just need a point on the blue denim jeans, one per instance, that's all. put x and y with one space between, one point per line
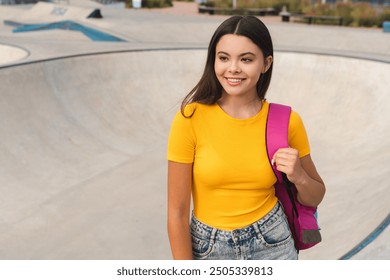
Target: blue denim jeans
267 239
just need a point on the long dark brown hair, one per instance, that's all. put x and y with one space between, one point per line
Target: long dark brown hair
209 90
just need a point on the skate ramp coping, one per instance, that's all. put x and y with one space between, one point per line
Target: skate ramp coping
84 142
43 12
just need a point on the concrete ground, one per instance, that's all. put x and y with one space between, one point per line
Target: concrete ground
84 127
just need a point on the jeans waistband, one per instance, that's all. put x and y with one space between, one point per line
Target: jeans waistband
240 234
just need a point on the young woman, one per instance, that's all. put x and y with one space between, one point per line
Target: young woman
217 155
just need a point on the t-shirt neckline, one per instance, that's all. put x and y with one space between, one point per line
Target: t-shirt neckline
256 116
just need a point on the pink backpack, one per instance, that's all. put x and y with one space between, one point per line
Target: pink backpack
302 219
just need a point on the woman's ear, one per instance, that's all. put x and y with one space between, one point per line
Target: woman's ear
267 63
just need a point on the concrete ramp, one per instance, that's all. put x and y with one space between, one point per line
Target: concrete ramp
43 12
83 143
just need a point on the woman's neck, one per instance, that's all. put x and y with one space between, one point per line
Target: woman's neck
240 107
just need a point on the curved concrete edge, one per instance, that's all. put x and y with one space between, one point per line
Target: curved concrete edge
360 250
168 47
11 55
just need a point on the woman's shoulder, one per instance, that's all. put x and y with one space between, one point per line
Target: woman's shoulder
190 117
295 117
195 108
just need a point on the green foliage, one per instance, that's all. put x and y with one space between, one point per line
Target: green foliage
318 9
364 15
344 10
255 3
277 5
384 16
219 3
296 6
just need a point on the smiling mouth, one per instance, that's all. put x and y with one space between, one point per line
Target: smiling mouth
234 81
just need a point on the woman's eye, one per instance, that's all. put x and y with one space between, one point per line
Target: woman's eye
223 58
247 60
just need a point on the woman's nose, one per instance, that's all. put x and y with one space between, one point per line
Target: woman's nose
234 67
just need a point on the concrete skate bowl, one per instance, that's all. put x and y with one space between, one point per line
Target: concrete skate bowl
83 168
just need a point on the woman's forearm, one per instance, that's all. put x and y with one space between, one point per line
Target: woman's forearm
179 200
310 191
180 238
311 188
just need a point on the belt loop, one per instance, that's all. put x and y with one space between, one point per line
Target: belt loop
257 230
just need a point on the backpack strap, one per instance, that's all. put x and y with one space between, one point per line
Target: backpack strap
277 137
277 131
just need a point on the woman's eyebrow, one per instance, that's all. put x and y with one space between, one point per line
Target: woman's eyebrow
243 54
222 52
247 53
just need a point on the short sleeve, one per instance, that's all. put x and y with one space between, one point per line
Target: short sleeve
297 136
181 141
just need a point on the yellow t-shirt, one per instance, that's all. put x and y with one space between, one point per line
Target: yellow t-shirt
232 177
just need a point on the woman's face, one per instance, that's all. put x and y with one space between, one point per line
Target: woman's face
238 65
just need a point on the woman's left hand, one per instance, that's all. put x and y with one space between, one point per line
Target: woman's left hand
287 161
302 173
